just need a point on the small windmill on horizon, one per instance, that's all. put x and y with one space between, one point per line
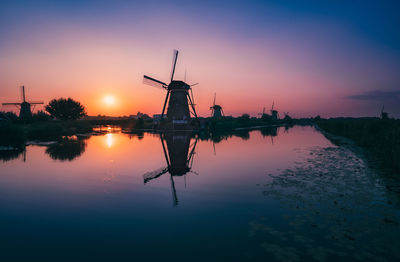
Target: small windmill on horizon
25 111
384 115
274 113
263 113
216 110
180 102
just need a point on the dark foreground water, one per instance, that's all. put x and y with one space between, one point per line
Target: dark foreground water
266 195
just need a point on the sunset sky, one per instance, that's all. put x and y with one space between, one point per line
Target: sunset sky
311 57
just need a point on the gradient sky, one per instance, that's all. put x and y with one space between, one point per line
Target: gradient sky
332 58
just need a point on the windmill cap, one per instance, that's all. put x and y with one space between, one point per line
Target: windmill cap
178 85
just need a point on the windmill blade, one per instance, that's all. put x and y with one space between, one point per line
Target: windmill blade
174 59
191 93
194 84
154 174
36 103
147 80
215 97
23 93
11 104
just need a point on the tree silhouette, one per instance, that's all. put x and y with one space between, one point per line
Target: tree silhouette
65 109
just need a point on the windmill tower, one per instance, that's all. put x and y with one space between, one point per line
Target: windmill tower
24 106
180 103
179 154
216 110
274 113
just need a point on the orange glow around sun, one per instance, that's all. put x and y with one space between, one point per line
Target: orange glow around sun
109 100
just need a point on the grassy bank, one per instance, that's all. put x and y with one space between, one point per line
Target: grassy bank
380 137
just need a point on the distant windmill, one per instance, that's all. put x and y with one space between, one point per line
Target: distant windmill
274 113
263 112
180 102
384 115
216 110
25 107
287 117
179 154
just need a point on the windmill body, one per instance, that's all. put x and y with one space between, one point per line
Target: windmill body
179 98
274 113
216 110
178 105
25 111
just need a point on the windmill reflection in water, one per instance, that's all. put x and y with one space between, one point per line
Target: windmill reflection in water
179 151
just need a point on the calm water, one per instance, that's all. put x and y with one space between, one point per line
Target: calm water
271 195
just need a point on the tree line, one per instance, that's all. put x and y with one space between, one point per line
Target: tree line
60 109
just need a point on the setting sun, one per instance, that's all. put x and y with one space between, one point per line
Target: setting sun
109 100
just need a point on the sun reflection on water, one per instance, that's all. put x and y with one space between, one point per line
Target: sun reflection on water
109 140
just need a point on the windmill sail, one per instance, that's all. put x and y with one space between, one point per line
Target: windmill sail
23 93
215 97
154 82
174 59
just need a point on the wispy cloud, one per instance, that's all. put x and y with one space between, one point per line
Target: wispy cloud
377 95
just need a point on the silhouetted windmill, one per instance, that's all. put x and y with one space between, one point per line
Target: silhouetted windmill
384 115
274 113
287 118
216 110
179 154
179 100
263 112
25 107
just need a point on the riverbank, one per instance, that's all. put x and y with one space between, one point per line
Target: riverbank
379 137
17 134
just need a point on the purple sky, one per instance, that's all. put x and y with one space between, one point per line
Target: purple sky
337 59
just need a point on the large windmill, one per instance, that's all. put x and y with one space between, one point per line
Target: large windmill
179 154
216 110
180 102
24 106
